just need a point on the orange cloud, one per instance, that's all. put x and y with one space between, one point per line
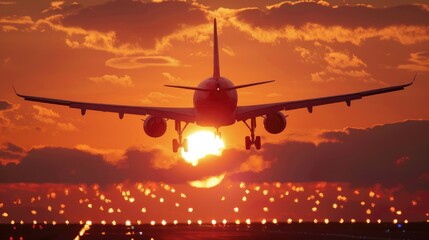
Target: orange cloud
17 20
318 21
124 81
419 61
48 116
158 97
135 62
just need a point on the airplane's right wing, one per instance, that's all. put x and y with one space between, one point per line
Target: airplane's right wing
181 114
245 112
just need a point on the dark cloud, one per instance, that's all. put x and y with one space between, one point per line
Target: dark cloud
60 165
392 155
346 16
5 105
136 21
10 151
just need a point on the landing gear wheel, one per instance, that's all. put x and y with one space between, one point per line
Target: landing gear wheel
176 145
185 145
248 142
257 142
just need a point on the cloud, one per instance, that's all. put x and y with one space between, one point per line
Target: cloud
111 155
9 28
124 81
10 151
83 165
137 21
310 21
135 62
19 20
390 155
301 13
419 62
158 97
5 105
340 65
362 157
172 79
45 115
60 165
48 116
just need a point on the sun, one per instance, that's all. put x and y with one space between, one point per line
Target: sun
201 144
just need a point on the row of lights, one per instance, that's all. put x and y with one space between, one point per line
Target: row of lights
213 222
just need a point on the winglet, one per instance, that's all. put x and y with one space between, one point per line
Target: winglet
216 68
17 94
414 79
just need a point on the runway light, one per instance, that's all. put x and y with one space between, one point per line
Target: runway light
175 222
163 222
263 221
248 222
152 223
190 209
189 222
289 220
224 222
236 209
275 221
326 221
127 223
200 222
213 222
237 222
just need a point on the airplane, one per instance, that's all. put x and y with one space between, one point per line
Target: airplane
215 105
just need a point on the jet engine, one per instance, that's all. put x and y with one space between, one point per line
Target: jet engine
275 122
155 126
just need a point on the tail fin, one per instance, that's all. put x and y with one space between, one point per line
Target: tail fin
216 68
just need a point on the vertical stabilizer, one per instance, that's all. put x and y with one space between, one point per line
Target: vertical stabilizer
216 70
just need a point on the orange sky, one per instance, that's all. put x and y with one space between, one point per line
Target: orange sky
123 52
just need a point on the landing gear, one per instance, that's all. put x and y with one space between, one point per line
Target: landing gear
178 143
252 139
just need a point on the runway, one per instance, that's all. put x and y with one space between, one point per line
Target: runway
225 232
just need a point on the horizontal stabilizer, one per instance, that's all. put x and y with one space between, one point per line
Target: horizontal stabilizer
249 85
188 88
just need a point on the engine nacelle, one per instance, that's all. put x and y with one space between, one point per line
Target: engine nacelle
275 123
155 126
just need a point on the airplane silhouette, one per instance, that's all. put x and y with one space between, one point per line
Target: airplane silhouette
215 105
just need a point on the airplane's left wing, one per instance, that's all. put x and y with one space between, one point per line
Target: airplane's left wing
245 112
181 114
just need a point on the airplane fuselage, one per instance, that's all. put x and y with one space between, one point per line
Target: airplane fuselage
216 106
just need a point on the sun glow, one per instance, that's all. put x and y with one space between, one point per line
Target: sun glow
201 144
207 182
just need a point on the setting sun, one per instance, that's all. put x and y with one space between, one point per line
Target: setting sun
201 144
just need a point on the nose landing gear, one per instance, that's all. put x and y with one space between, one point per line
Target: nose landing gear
180 143
252 139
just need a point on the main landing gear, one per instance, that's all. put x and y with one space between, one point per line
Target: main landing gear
178 143
252 140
